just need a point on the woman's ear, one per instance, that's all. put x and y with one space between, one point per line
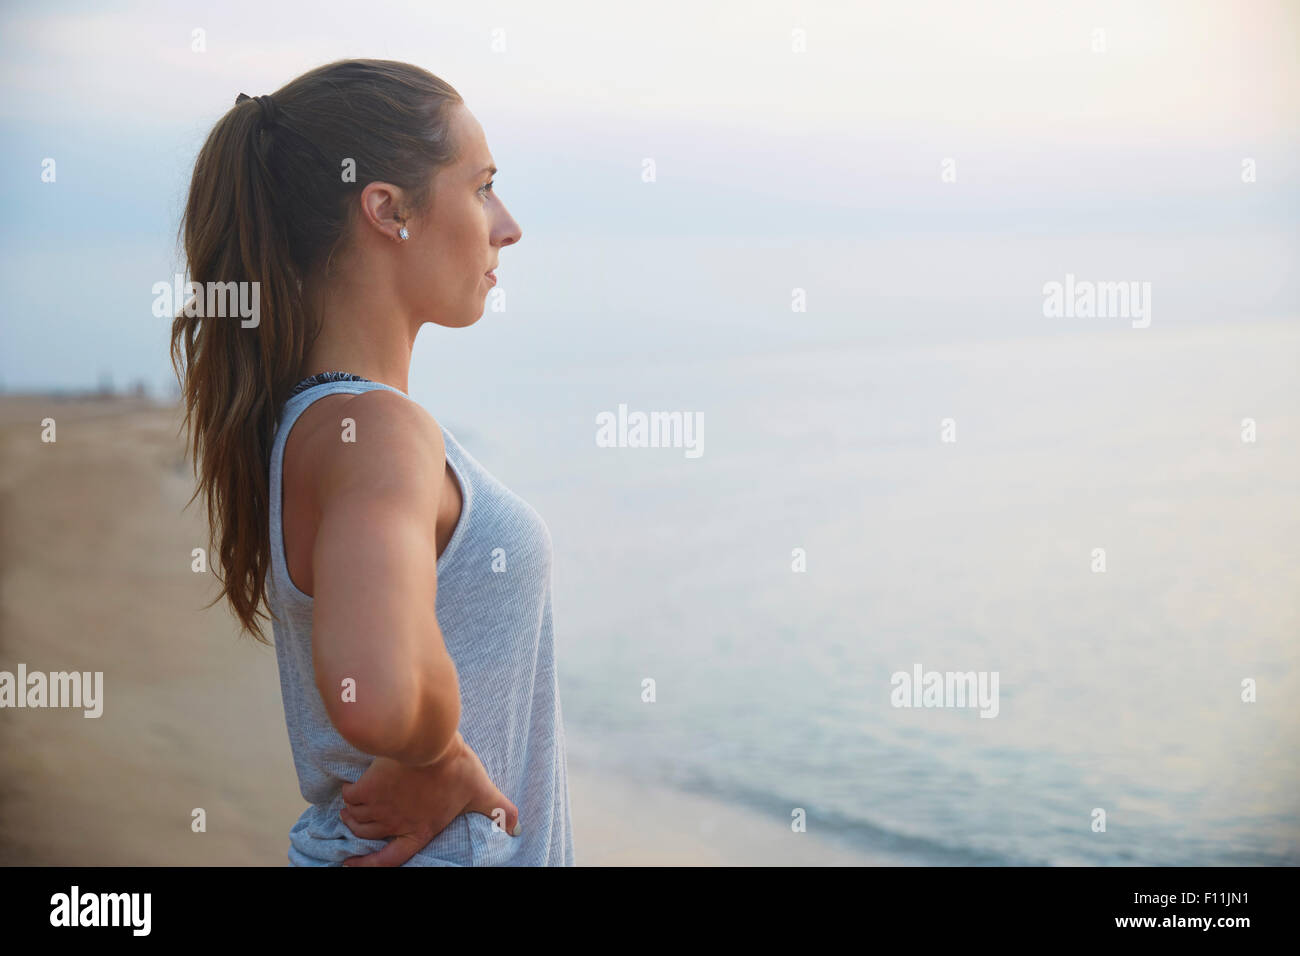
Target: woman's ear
381 209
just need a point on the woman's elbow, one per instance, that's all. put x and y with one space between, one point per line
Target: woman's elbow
413 727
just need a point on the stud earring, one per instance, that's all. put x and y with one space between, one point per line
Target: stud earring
402 232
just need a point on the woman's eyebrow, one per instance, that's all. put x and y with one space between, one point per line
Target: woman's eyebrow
488 169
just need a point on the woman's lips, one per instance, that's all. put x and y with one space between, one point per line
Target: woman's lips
492 276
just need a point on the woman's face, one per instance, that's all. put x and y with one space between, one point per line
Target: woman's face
459 238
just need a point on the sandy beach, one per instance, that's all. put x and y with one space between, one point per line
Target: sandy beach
95 575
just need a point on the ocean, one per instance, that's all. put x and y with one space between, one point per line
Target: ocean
1120 685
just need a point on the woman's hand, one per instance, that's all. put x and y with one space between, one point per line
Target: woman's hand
414 804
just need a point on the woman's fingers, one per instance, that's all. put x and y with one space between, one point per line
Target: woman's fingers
399 850
361 814
368 831
493 807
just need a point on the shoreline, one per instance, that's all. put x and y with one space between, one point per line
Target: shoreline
670 827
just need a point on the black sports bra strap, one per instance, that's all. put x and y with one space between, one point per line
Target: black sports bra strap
321 378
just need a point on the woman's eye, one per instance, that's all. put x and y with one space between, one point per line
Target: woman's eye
487 186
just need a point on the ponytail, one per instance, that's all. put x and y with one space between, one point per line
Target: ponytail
267 207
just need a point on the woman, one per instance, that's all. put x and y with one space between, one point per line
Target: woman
409 589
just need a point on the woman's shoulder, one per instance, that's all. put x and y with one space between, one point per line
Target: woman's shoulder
374 436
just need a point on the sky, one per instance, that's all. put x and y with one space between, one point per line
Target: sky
795 145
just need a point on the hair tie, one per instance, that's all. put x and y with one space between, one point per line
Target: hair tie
266 104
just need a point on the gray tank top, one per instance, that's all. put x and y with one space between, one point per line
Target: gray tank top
494 610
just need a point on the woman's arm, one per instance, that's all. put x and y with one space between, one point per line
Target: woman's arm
374 567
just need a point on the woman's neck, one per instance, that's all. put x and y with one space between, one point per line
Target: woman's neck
367 336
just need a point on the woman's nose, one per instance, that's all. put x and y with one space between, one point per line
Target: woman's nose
508 229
